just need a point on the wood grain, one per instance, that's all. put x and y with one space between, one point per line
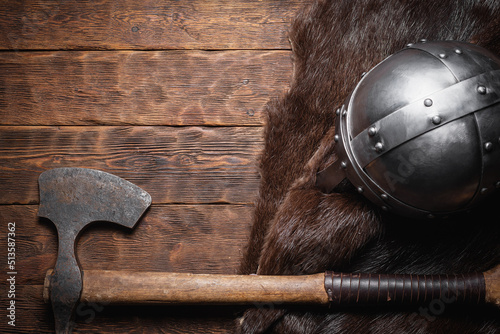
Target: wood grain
175 165
180 238
492 282
141 88
169 238
140 287
149 24
34 316
166 94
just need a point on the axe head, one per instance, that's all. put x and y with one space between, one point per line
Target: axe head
72 198
75 197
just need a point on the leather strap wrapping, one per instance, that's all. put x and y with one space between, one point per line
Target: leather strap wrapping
345 289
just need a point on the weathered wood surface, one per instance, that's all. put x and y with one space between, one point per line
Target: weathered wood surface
169 238
166 94
34 316
142 88
173 238
174 164
149 24
134 287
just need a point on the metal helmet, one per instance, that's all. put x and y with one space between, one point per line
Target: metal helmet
420 134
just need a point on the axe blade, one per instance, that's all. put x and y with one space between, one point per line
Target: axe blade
79 196
72 198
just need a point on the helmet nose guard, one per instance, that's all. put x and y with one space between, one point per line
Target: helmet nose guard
420 134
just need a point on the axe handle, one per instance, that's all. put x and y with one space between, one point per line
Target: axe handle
133 287
492 283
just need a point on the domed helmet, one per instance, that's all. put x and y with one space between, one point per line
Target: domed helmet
420 134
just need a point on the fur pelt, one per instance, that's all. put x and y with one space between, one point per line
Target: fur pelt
299 230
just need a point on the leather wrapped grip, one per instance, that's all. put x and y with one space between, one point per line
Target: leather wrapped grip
345 289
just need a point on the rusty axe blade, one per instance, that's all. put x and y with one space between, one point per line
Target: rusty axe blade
72 198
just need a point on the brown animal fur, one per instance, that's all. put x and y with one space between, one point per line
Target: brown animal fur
299 230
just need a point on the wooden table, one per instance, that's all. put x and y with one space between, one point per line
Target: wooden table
166 94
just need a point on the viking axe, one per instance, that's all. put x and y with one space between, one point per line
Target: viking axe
72 198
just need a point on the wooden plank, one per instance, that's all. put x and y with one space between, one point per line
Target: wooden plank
174 164
149 24
180 238
203 239
34 316
143 88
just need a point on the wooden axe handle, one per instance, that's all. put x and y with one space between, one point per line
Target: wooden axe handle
134 287
492 283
